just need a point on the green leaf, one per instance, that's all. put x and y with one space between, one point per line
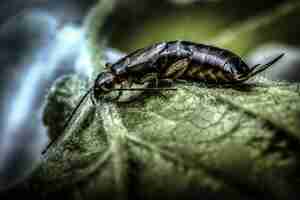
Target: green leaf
201 141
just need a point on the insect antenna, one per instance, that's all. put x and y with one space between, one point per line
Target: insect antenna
80 103
259 68
142 89
68 120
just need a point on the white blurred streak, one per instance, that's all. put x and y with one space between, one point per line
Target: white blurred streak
41 69
113 55
38 71
83 62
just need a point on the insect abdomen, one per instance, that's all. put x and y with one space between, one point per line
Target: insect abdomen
215 64
204 63
207 74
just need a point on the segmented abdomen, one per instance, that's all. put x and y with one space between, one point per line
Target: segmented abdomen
207 73
199 62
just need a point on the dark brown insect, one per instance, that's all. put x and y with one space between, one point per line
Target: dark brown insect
174 60
177 60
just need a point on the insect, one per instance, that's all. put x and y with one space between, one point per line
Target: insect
169 61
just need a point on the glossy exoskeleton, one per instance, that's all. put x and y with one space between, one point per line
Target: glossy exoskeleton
174 60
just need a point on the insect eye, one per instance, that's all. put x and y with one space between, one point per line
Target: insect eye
106 86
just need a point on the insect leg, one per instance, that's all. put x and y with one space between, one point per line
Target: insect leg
151 77
119 94
92 98
130 81
182 81
167 81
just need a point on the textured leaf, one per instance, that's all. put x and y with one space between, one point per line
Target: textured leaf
200 141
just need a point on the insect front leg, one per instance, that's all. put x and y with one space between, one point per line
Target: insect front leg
130 81
166 81
151 78
92 98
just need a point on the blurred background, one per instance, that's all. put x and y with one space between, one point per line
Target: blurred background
41 40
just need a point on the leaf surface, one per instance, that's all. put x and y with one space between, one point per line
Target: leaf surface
238 142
